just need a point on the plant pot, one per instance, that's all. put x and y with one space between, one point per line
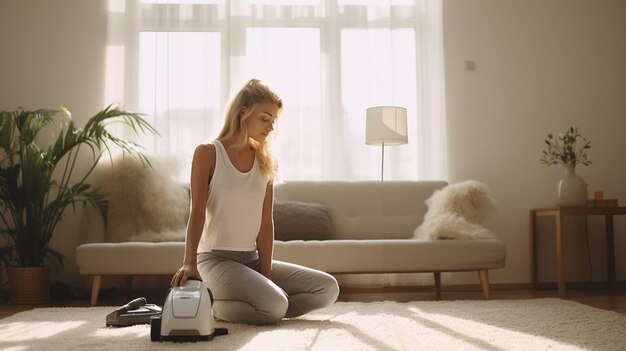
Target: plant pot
29 285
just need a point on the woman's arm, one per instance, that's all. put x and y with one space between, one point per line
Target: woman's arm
201 172
265 239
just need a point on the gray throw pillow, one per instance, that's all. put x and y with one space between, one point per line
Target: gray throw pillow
294 220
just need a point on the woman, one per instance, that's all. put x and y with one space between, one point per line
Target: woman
230 232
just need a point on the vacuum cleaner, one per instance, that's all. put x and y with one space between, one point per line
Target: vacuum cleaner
187 315
137 311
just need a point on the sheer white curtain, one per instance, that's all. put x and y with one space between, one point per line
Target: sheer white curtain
179 61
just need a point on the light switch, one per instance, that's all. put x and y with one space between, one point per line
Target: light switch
470 65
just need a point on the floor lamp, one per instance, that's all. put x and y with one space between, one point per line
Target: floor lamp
385 125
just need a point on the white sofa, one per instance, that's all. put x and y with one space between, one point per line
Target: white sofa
371 231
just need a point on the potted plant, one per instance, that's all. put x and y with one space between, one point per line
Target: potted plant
569 149
37 184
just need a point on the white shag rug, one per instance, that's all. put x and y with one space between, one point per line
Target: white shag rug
537 324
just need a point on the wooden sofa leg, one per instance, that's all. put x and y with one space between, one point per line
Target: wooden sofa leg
95 289
484 281
438 284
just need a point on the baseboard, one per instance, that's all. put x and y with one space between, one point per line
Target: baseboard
580 285
431 288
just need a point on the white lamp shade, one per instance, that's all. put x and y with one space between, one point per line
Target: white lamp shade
386 124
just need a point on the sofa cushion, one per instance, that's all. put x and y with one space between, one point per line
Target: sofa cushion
136 258
146 203
295 220
393 256
365 209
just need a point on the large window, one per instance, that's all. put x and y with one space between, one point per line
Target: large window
179 85
328 59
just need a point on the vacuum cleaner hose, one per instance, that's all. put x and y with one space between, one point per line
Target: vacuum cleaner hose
132 305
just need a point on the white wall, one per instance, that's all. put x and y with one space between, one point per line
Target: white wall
52 54
541 66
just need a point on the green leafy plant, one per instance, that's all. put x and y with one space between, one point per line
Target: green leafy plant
38 183
566 148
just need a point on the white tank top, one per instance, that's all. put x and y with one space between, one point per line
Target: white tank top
234 206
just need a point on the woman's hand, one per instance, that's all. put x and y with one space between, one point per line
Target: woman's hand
185 272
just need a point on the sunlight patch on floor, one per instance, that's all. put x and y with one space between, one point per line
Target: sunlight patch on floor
13 348
139 331
483 335
23 331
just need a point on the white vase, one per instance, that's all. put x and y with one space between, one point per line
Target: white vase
572 191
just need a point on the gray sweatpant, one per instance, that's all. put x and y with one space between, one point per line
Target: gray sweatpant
243 295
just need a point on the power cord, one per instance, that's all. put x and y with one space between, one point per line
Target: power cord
589 263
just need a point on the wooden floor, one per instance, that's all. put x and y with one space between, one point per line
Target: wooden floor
613 300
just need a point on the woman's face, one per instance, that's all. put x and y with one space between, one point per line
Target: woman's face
261 123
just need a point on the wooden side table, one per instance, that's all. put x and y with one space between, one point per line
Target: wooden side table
558 213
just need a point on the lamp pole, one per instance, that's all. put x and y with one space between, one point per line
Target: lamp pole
385 125
382 162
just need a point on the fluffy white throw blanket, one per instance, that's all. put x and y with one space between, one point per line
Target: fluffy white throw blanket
457 212
146 203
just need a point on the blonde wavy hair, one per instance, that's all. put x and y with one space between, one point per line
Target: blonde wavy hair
254 92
